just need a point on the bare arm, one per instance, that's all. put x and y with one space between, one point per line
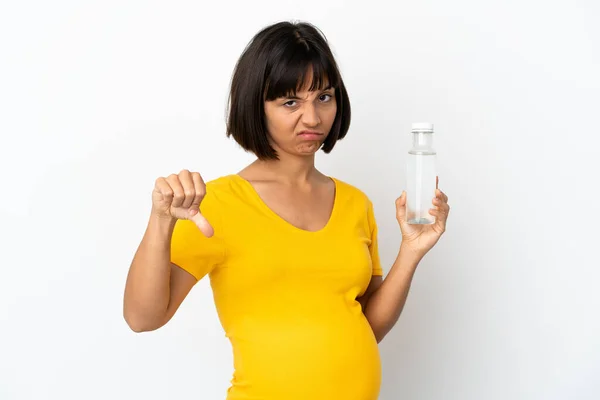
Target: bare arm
386 298
155 287
376 281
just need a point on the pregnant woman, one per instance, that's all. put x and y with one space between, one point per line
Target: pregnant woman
291 253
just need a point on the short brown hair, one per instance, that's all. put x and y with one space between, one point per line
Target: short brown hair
273 65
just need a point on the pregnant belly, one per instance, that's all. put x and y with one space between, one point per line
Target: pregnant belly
317 356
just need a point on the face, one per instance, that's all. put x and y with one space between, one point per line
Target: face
299 124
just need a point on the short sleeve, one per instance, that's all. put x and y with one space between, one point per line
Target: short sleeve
374 245
194 252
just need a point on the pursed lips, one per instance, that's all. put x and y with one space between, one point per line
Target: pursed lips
310 135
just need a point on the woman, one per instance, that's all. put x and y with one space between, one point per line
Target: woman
291 252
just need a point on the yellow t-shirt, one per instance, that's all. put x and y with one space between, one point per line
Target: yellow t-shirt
286 297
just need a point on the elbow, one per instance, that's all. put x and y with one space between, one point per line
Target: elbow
379 330
137 328
139 324
135 325
378 335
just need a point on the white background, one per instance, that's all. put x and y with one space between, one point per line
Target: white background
99 98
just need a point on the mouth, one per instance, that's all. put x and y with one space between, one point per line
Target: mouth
311 135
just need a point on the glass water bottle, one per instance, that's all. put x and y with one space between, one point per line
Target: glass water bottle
421 175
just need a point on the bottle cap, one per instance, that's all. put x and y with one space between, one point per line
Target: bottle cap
422 127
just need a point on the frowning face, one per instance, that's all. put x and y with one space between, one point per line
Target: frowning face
299 123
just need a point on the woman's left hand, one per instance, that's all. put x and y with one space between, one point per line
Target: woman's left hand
421 238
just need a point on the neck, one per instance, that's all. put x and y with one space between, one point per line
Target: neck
290 169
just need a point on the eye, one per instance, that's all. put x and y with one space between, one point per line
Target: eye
325 97
290 103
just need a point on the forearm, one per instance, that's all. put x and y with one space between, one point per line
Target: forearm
385 304
147 289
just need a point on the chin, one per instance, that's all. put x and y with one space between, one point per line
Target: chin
308 149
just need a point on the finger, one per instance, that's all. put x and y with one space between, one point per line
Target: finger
441 195
200 191
439 201
203 224
440 216
401 207
164 189
440 221
177 188
401 202
440 204
189 191
441 213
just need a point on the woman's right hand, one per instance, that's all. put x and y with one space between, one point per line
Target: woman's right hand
178 196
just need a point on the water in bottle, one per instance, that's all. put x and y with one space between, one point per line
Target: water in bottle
421 175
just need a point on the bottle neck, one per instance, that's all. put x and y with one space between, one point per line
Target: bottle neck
422 143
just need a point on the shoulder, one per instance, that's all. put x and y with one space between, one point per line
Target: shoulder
352 192
223 185
226 190
355 202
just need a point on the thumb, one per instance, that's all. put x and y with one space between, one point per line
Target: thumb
202 223
401 208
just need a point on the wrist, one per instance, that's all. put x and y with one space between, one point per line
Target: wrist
406 263
409 253
162 223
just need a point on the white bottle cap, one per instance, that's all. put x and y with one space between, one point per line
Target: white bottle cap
422 127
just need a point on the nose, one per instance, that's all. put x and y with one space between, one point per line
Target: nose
310 115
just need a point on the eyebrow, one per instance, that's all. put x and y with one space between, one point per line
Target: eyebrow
294 97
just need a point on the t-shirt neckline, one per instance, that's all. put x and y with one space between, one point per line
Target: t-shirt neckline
285 222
